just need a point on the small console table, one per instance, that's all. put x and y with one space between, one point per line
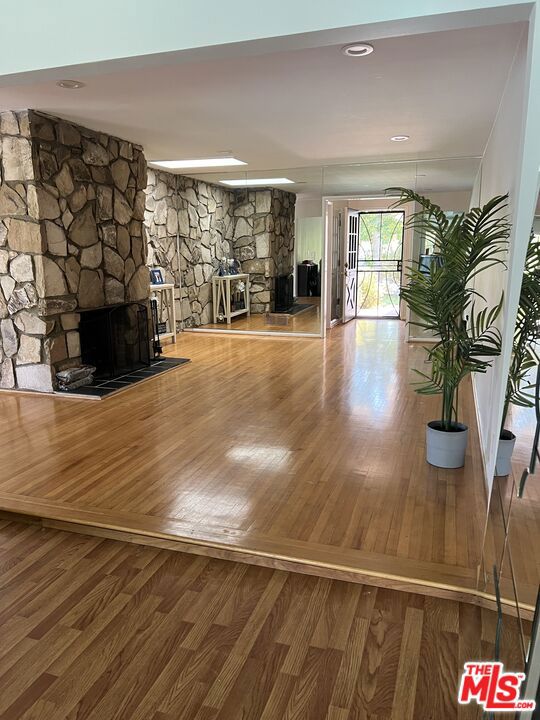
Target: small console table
165 293
221 294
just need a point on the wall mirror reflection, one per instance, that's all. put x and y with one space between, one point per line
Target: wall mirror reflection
369 240
248 257
511 560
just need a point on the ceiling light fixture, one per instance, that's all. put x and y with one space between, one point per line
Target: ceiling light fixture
357 49
400 138
247 182
70 84
198 163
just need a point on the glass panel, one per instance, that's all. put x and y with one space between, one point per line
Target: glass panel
381 236
378 294
494 546
524 515
379 257
367 180
276 234
344 186
363 187
513 533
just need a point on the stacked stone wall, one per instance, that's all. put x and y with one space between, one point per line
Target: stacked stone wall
214 224
71 238
202 214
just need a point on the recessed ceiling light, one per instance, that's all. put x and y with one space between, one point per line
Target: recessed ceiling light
70 84
198 163
248 182
400 138
357 49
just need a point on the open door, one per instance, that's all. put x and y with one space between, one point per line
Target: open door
349 255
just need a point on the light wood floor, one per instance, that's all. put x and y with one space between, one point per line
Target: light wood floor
308 321
282 450
95 629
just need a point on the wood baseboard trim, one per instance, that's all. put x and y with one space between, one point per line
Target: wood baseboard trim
266 333
480 439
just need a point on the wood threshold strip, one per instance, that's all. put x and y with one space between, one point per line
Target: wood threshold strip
228 544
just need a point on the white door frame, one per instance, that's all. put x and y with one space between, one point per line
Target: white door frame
371 204
349 274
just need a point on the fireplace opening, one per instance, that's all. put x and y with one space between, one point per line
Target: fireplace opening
114 339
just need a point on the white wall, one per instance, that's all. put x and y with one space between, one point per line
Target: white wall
510 165
309 231
308 206
64 33
309 239
455 200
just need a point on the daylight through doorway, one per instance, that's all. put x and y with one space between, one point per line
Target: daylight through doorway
380 250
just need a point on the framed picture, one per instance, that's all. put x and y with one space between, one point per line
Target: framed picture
156 278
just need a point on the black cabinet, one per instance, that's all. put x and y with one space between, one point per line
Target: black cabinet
308 278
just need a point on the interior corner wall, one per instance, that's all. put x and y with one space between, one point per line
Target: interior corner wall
213 225
509 165
199 217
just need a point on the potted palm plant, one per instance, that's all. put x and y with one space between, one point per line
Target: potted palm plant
442 301
524 354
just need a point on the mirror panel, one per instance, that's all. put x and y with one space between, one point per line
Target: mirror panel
524 515
512 538
386 245
277 235
277 242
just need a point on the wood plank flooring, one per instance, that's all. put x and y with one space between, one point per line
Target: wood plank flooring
95 629
308 321
290 449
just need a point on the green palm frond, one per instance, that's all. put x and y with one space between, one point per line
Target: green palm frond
526 333
443 298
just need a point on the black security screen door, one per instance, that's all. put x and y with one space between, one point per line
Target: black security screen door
380 250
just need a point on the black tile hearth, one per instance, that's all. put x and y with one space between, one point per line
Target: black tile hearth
103 388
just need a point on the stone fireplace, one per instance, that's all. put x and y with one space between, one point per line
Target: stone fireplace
76 207
71 239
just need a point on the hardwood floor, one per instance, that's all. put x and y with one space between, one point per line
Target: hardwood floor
95 629
297 452
308 321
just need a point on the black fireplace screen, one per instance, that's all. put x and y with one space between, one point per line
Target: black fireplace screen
284 297
115 339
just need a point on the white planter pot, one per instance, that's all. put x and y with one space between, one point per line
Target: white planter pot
503 465
446 449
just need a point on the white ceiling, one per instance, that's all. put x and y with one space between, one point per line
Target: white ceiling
303 108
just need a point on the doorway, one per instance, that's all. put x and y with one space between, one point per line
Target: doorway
379 263
350 265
